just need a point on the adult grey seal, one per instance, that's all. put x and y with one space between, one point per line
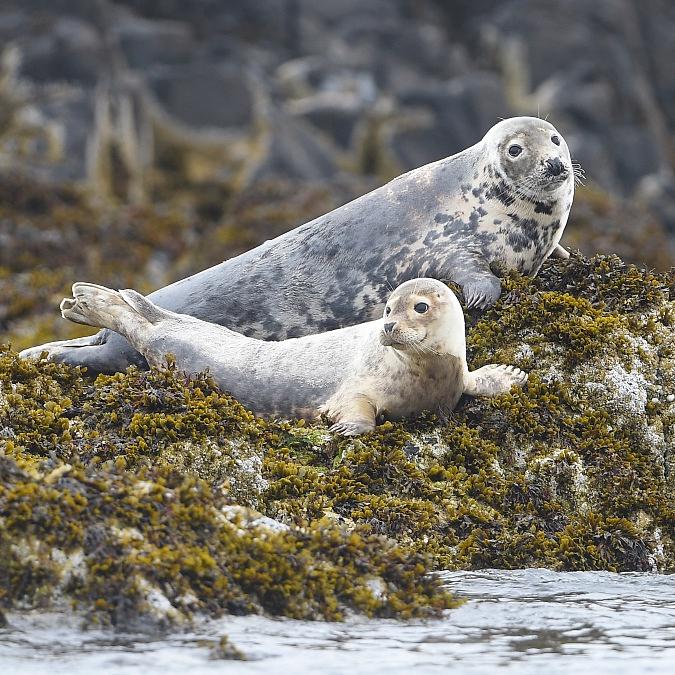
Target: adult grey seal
412 359
503 201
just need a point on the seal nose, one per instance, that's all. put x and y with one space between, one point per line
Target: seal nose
389 327
554 166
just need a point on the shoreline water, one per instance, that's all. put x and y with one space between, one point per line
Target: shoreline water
520 621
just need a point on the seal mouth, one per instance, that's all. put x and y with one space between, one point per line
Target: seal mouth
556 177
388 340
550 183
400 341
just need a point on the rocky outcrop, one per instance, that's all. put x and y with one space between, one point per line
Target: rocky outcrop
132 499
147 498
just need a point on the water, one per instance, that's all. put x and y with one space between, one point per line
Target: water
525 621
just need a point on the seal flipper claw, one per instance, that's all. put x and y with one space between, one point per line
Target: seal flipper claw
347 428
494 379
354 414
560 253
482 293
480 287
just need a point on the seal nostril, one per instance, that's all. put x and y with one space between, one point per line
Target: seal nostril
389 327
555 166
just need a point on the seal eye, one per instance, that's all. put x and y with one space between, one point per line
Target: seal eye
387 311
555 140
515 150
421 307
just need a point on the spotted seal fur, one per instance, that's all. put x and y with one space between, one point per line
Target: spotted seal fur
412 359
504 201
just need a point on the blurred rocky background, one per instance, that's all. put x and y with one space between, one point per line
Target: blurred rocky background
142 140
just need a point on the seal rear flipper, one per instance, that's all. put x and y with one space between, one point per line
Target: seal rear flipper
50 348
144 307
120 311
493 379
560 253
105 352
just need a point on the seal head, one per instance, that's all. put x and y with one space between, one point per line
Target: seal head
531 157
423 316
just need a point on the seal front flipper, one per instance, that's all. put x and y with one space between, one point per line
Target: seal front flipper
481 288
493 379
353 414
352 428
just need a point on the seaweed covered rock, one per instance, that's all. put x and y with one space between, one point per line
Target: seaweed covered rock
132 498
145 497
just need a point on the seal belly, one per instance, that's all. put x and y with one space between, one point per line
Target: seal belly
435 384
290 378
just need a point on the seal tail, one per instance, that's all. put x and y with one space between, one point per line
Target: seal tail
95 305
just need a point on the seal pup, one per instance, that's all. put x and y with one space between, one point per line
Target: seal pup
412 359
504 201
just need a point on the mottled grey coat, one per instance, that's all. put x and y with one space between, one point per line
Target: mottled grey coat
449 220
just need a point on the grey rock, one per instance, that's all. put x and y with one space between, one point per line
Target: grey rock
460 111
203 95
146 43
291 151
635 152
332 12
308 76
68 50
335 114
657 192
395 82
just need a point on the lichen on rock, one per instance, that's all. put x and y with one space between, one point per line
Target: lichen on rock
146 497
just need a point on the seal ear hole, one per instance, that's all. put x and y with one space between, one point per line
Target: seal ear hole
387 311
421 307
515 150
555 140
